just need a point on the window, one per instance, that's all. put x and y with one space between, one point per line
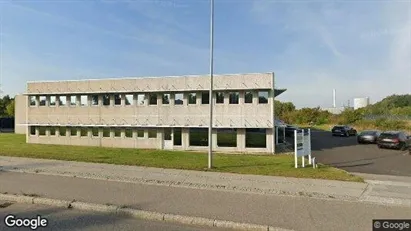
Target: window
198 137
248 97
166 98
32 130
84 132
62 131
42 131
192 98
128 100
62 100
153 99
95 132
106 132
73 100
152 133
263 97
255 138
52 131
52 101
32 100
140 99
219 97
117 99
117 132
106 100
84 100
73 131
42 100
140 133
129 133
177 136
94 100
234 96
179 99
205 98
227 137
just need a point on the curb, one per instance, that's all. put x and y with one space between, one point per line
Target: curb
141 214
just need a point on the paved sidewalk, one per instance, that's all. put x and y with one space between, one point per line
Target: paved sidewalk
382 192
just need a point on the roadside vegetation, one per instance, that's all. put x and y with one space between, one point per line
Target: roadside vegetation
391 113
278 165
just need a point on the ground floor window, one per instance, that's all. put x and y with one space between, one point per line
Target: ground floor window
152 133
198 137
117 132
52 131
95 132
84 132
129 133
42 131
227 137
177 136
255 138
62 131
32 130
106 132
140 133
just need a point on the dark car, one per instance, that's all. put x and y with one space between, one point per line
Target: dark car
394 139
289 130
369 136
343 130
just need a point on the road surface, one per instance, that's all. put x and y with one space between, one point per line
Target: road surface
68 219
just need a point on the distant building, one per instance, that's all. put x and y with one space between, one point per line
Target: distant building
361 102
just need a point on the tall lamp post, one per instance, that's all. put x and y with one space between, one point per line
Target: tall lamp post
210 127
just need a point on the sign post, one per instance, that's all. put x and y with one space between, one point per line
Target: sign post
302 147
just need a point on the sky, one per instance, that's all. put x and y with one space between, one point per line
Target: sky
360 48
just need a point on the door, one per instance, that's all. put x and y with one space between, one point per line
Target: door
168 138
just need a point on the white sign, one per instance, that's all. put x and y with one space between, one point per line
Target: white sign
302 146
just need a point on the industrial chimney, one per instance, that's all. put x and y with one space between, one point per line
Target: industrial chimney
334 96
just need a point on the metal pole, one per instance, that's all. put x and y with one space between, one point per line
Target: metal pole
210 127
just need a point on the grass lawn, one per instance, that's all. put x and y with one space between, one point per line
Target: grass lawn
278 165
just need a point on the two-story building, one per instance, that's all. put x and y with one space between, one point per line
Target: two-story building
152 113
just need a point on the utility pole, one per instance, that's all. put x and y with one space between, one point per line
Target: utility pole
210 127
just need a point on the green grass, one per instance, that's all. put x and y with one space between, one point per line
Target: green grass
278 165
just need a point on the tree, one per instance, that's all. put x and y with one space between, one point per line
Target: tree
10 109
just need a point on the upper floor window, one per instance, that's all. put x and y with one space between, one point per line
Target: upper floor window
62 100
192 98
234 97
73 100
42 100
153 99
166 98
84 100
141 99
263 97
52 101
117 99
32 100
248 97
94 100
219 97
178 99
128 99
106 100
205 98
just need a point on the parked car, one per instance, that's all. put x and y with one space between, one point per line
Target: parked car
289 130
368 136
343 130
394 139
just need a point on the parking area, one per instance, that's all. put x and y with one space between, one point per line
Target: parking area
345 153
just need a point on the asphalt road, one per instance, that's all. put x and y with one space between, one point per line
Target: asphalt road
68 219
296 213
345 153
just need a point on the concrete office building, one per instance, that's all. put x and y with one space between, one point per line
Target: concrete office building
152 113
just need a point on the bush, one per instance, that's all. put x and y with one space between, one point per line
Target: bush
390 124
